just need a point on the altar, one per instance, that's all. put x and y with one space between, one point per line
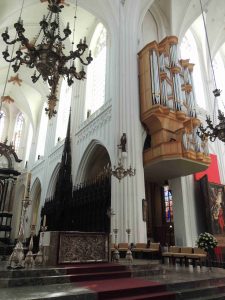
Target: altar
65 247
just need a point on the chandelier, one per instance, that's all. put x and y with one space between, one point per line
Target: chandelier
119 172
212 131
46 53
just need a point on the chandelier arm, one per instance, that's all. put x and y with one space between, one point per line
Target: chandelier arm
74 54
9 60
5 39
82 61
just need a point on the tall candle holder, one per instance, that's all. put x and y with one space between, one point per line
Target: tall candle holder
17 256
29 260
129 256
116 254
39 260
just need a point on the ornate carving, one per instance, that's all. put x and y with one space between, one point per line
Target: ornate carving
83 247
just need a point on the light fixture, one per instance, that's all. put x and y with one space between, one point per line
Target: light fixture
212 131
119 171
46 52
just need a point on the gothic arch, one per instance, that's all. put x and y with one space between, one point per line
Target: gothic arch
36 197
93 161
52 182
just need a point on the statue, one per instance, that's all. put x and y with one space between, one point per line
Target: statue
123 142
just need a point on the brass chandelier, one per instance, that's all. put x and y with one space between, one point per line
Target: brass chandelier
45 53
212 131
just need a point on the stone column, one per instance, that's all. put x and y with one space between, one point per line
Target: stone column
127 194
185 219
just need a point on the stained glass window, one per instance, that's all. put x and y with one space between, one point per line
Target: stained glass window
168 201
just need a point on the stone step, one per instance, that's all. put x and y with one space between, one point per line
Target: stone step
214 297
56 279
198 293
218 281
74 269
57 291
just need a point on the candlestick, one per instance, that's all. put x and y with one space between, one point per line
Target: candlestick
40 258
116 254
44 221
129 256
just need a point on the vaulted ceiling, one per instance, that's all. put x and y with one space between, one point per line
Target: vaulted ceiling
176 16
29 97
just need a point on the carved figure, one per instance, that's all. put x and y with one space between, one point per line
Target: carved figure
123 142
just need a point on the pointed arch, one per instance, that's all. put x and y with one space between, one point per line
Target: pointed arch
36 198
94 159
52 182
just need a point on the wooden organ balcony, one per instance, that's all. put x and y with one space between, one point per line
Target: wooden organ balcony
167 105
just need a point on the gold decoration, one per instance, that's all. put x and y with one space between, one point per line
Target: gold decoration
7 99
15 80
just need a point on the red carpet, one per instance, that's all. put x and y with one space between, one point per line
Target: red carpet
113 281
128 288
99 271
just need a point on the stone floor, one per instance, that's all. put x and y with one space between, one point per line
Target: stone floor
147 269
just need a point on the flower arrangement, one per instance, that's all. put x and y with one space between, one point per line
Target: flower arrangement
206 241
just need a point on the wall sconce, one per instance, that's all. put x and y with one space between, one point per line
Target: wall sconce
119 171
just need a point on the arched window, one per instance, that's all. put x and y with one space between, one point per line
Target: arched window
42 134
29 141
63 111
95 91
219 70
2 124
18 131
168 204
189 50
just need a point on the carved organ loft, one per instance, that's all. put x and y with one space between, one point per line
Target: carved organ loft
167 105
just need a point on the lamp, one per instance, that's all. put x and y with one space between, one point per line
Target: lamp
45 53
212 131
119 171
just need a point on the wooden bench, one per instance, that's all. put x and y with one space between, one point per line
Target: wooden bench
142 248
153 250
138 249
122 248
173 250
186 254
198 255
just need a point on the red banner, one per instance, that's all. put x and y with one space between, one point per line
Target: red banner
212 172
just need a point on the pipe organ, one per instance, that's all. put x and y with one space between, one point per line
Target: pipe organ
167 106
